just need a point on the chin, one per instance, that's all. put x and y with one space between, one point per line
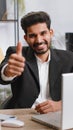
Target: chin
41 52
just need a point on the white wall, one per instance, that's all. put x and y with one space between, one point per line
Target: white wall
61 12
6 35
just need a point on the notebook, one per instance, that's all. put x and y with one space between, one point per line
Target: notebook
62 119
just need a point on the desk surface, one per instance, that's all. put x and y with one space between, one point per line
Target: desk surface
24 115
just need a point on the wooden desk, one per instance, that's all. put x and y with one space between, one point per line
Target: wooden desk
24 115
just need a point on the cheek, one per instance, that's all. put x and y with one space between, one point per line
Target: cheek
30 42
48 37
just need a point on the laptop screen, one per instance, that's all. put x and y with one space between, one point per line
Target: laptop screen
67 103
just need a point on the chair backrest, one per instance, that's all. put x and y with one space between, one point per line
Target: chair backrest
1 55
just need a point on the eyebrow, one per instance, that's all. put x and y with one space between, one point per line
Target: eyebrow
33 34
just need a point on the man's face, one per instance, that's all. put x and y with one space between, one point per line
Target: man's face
39 37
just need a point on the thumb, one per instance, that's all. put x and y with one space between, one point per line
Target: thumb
19 48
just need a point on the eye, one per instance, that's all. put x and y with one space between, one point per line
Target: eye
32 35
43 33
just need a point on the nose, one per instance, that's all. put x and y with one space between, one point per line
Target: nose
38 39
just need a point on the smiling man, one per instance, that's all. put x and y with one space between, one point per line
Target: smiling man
34 72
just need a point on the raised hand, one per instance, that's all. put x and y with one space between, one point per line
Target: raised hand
16 63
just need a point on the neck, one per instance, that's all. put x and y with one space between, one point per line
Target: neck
44 57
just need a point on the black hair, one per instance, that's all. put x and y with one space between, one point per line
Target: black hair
34 18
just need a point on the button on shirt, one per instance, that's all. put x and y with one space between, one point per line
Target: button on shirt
43 68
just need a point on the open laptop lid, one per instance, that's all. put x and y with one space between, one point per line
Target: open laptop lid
67 101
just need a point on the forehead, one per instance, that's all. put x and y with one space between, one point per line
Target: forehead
39 27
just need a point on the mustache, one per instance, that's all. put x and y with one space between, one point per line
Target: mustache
41 43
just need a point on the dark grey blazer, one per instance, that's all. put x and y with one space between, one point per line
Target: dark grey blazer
25 88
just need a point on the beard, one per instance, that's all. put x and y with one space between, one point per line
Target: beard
40 51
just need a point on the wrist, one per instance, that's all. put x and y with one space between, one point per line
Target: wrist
6 72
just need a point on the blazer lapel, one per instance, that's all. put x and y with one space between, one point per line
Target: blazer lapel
32 64
54 68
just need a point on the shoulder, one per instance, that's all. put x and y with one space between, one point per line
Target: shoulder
26 51
12 49
62 54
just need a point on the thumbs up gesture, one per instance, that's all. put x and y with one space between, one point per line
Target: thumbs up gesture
16 63
19 49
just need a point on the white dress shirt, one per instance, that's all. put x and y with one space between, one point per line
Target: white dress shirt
43 68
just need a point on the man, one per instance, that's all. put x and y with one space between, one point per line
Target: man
34 72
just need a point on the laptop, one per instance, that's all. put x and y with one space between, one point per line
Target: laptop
61 119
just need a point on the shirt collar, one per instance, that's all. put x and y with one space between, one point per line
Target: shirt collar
39 60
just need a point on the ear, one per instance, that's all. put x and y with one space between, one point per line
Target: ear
25 37
51 32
